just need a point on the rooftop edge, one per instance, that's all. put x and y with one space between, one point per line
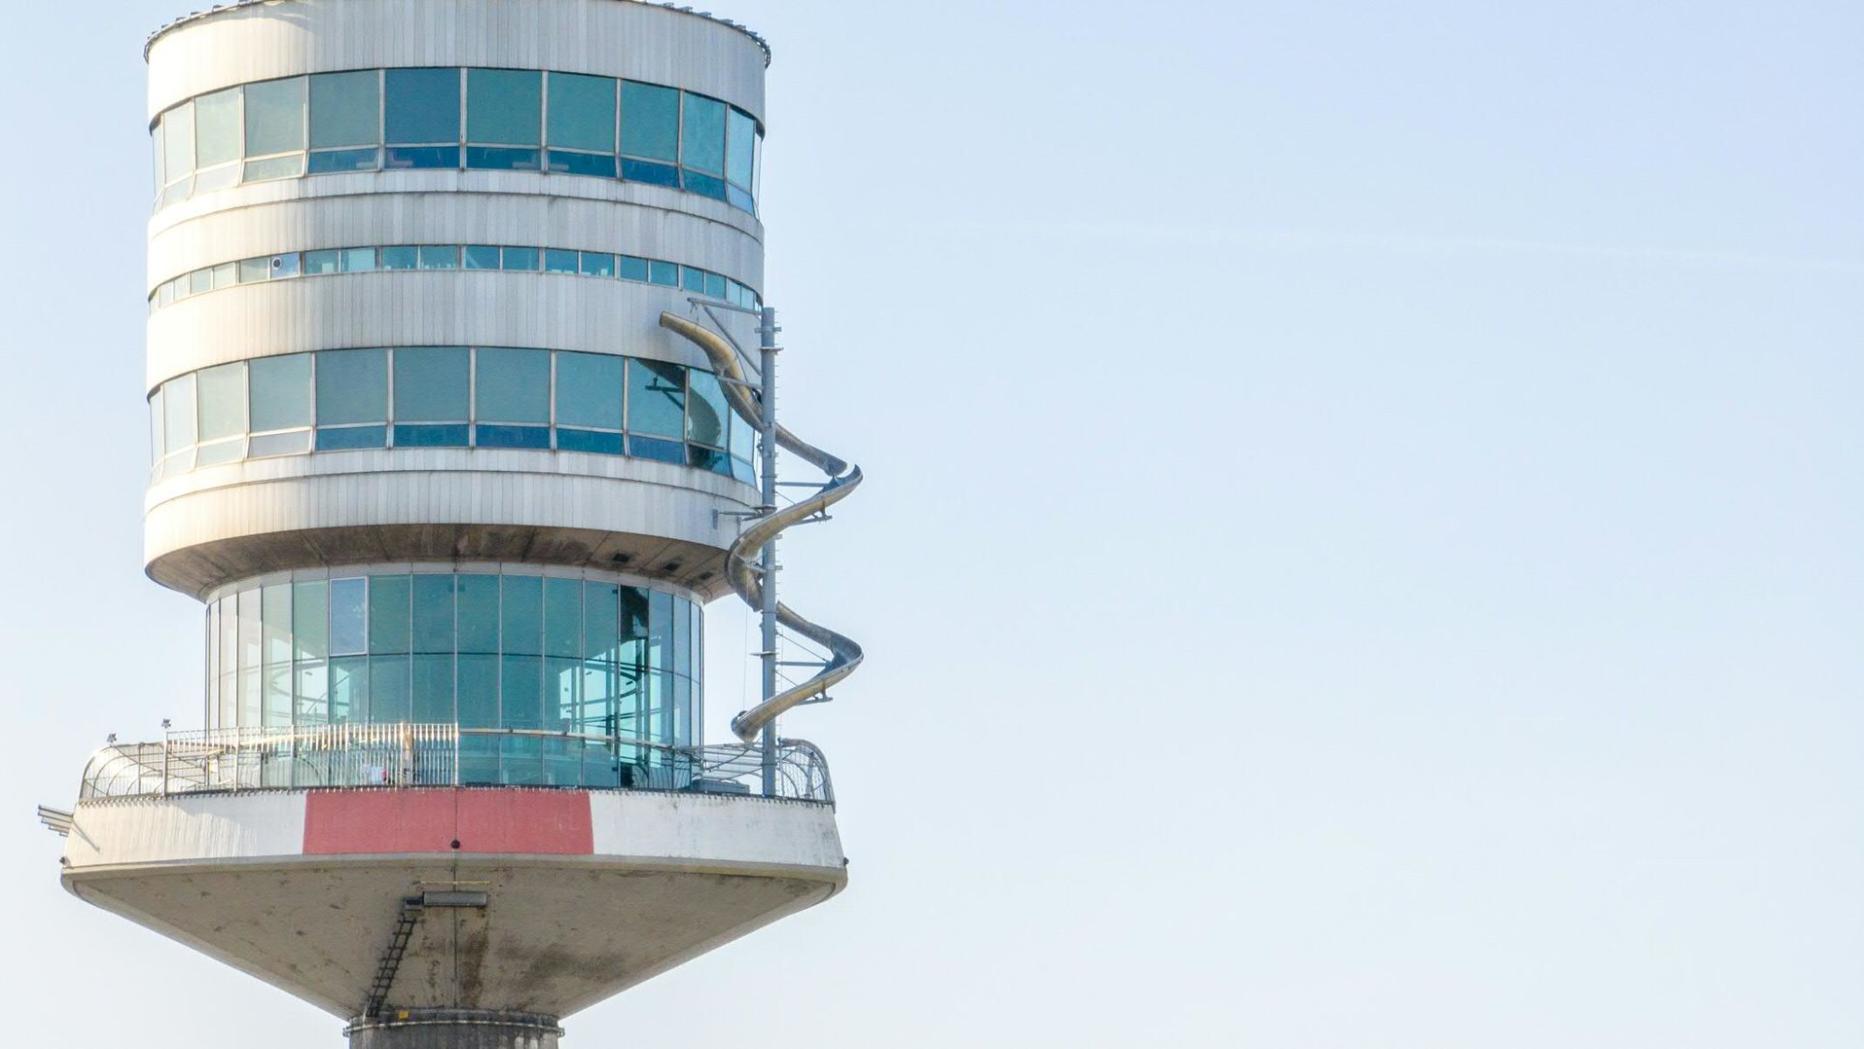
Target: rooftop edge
195 16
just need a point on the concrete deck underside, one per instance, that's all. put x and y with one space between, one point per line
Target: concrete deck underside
560 933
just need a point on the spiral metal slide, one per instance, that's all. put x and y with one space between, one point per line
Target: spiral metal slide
741 568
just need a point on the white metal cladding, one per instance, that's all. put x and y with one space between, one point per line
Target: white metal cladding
603 37
250 518
413 185
173 830
477 308
385 214
721 829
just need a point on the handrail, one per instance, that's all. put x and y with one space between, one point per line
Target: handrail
438 755
740 568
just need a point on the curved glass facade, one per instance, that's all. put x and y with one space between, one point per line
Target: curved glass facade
429 257
450 118
588 674
448 397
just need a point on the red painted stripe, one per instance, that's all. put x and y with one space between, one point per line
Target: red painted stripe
524 822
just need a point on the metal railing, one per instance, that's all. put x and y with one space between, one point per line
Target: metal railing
410 755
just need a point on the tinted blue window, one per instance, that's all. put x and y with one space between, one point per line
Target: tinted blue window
601 165
598 264
520 258
589 388
632 268
582 113
650 121
431 385
513 386
656 398
423 106
504 107
702 142
503 158
740 149
337 440
494 436
665 273
650 172
657 449
481 257
275 117
439 257
352 387
593 441
557 260
349 617
400 258
414 157
344 160
346 110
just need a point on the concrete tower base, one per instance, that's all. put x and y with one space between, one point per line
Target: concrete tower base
455 1029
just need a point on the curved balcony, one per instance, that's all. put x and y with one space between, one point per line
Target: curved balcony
388 757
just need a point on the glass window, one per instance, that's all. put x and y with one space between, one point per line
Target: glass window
632 268
666 273
433 687
481 257
216 128
317 263
281 392
504 106
222 393
563 618
582 112
650 121
478 614
714 286
309 611
275 609
252 271
161 160
346 109
692 279
431 384
513 386
389 690
275 117
178 143
390 606
705 410
400 258
740 149
598 264
520 259
358 260
433 614
352 387
439 257
558 260
521 615
702 146
349 617
423 105
589 390
656 398
155 426
178 414
743 438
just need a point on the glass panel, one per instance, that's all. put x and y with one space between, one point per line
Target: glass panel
481 257
399 258
292 443
433 689
504 106
418 157
513 386
478 614
275 609
389 611
161 158
557 260
702 146
352 437
178 141
521 615
275 117
503 158
520 259
439 257
423 105
657 449
222 393
281 392
346 109
582 112
664 273
313 692
352 386
477 688
520 692
656 398
330 160
601 621
320 263
252 271
598 264
633 269
582 163
593 441
358 260
389 689
589 390
562 697
155 426
349 690
310 628
714 286
431 384
349 616
216 128
563 618
740 149
433 613
274 167
650 121
178 413
693 279
743 438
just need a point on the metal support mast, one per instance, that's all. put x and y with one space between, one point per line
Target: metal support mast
767 363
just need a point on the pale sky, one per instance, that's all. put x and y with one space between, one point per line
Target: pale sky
1362 546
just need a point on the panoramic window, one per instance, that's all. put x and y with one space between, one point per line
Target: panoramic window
582 124
650 133
512 399
222 427
702 146
432 395
423 118
352 399
504 109
280 405
217 140
346 121
589 393
274 129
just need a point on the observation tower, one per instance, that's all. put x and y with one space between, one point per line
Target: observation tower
462 407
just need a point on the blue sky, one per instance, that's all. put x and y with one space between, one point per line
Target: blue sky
1362 546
